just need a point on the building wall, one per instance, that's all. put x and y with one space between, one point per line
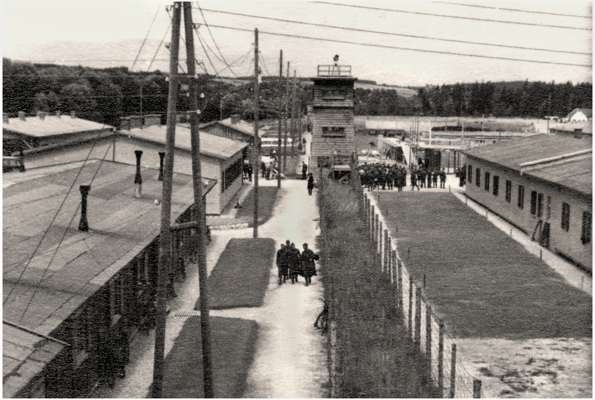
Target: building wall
568 243
210 167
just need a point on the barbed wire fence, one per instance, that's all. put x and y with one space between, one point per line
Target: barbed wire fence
443 367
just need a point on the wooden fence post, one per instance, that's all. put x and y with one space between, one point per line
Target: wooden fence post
476 388
453 370
410 310
440 382
418 318
385 251
429 340
399 284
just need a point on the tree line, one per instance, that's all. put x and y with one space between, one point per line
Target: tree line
104 95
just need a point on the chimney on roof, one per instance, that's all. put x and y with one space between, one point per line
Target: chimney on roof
235 118
125 123
58 114
138 179
73 114
84 225
161 156
41 114
5 118
136 121
22 116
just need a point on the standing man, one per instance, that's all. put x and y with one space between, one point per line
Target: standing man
293 260
308 259
310 184
414 180
304 170
442 178
282 263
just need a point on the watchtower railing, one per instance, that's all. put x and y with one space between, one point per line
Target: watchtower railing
332 70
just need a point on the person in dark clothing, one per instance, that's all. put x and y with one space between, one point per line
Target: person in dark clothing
429 178
435 178
442 178
310 184
462 177
293 261
304 171
282 263
421 176
414 181
263 169
308 258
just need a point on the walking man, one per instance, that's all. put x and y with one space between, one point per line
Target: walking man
282 263
308 259
310 184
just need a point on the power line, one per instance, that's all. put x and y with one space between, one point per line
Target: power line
347 28
519 10
501 21
214 41
384 46
145 39
206 53
160 44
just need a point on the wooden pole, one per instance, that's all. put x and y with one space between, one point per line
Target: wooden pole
285 121
165 235
279 125
256 138
410 310
429 340
453 370
205 330
293 113
440 382
399 284
418 318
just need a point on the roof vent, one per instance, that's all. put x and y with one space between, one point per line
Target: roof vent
5 118
235 118
41 114
73 114
84 224
22 116
58 114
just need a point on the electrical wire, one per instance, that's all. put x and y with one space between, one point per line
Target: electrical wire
501 21
145 39
214 41
206 54
353 29
518 10
429 51
159 47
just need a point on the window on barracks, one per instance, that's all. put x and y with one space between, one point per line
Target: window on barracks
496 187
470 173
486 181
565 222
586 229
508 193
533 202
521 197
478 177
230 175
333 131
539 205
333 94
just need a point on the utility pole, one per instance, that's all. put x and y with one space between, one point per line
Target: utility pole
141 104
285 116
256 138
293 114
165 234
205 330
279 127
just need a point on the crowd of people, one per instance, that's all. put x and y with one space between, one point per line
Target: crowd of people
427 178
291 263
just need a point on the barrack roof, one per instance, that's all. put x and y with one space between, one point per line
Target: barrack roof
52 125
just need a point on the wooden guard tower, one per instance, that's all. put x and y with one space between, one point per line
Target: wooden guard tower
333 142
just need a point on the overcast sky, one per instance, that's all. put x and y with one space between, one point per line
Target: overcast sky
31 29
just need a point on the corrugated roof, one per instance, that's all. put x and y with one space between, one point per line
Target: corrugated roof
24 356
514 152
121 226
573 173
576 174
241 126
52 125
210 145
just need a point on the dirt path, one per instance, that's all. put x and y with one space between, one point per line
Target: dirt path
290 360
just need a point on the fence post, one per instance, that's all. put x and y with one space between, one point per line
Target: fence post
418 318
476 388
429 340
399 284
385 251
453 370
441 358
410 310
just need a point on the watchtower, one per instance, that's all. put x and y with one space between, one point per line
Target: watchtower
333 143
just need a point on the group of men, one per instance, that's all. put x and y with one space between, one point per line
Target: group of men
291 263
425 177
383 176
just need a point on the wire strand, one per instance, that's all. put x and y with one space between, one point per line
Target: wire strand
384 46
501 21
353 29
145 39
518 10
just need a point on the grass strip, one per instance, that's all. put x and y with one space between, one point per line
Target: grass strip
232 341
241 275
267 198
482 282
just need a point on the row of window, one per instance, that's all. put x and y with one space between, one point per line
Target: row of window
333 131
537 201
